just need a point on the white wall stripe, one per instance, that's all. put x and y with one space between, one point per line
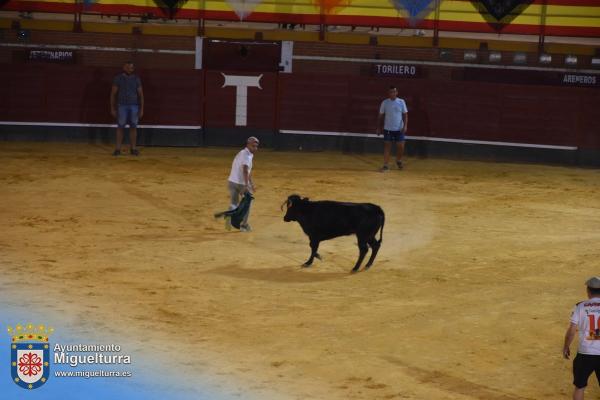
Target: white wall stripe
433 139
68 124
96 48
320 133
444 64
198 52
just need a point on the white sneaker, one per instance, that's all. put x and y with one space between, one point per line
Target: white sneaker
245 228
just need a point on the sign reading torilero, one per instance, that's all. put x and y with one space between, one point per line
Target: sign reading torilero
399 70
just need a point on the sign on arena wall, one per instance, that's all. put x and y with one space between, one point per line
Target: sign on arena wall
400 70
48 55
580 80
527 77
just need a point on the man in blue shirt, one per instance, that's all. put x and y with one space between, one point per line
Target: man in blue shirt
127 105
394 115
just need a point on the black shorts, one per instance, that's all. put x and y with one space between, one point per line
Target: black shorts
393 136
583 366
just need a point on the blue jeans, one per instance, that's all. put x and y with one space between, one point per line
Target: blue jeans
127 114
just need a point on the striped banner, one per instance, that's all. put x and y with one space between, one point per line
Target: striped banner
501 8
562 17
329 6
415 10
169 7
88 3
243 8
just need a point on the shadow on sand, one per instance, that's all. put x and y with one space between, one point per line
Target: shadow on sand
290 274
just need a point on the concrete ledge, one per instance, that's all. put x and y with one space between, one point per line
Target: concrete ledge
439 149
100 135
416 147
170 137
500 153
56 134
237 136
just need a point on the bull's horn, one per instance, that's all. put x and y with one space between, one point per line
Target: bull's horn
283 204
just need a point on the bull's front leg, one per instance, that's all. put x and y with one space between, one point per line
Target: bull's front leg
314 247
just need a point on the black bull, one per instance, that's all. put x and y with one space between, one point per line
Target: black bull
324 220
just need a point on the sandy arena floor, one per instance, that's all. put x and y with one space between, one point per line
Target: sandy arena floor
469 298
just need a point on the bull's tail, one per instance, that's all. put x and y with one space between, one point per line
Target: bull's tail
381 229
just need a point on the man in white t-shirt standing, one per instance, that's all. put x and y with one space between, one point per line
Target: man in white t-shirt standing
394 115
240 179
585 319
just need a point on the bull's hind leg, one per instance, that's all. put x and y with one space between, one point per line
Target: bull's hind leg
314 247
363 249
375 245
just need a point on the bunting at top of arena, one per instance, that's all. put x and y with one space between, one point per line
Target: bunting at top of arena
548 17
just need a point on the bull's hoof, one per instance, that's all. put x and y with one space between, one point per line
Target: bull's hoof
318 257
306 265
354 271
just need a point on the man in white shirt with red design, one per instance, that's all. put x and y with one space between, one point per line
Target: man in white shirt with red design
585 319
240 179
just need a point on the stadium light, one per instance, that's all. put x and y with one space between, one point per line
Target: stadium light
23 35
571 60
520 58
545 58
470 55
495 56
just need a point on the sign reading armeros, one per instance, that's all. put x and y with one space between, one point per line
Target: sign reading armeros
580 80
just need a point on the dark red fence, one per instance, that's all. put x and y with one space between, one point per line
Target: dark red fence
476 110
74 94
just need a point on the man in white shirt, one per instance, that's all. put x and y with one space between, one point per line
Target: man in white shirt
240 179
394 115
585 318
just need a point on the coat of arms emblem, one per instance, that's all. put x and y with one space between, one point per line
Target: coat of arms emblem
30 355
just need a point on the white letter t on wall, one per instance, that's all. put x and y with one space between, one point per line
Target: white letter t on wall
242 83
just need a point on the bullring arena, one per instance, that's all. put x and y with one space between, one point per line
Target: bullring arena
491 227
468 299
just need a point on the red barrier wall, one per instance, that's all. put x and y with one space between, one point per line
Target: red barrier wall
477 110
550 115
348 104
75 94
